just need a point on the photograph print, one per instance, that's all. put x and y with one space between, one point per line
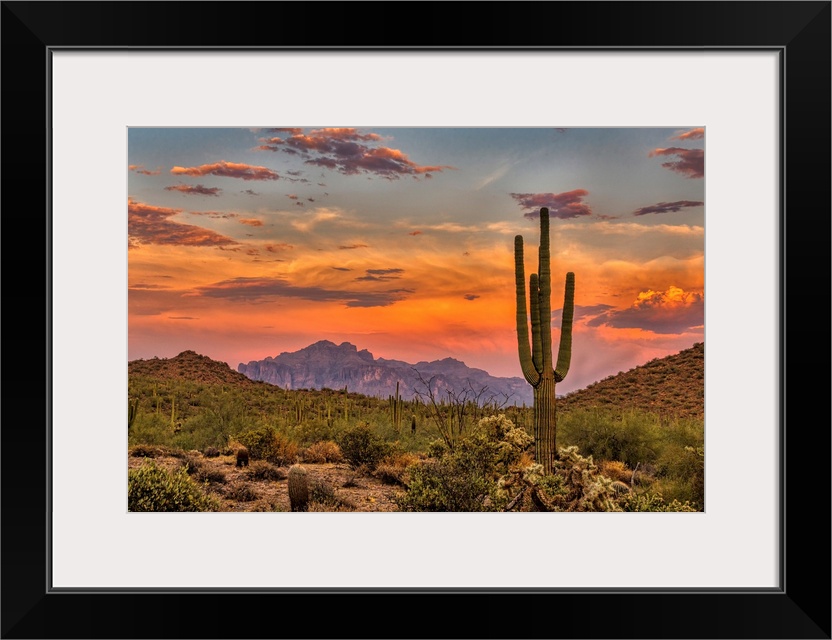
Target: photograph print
376 319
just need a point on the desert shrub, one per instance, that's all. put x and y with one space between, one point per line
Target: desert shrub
268 444
191 464
152 488
322 492
616 470
437 448
262 470
466 479
323 451
632 437
393 469
214 476
362 447
311 431
461 480
242 493
211 452
150 428
145 451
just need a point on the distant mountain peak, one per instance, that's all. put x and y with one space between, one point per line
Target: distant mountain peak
324 364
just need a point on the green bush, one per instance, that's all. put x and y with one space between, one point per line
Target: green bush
632 437
360 446
464 479
152 488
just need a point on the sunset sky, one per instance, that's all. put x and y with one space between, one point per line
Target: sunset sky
244 243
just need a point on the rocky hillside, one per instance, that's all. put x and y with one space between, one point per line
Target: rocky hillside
674 385
327 365
189 365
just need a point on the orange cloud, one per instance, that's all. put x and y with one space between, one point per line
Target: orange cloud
670 311
150 224
251 222
690 163
569 204
694 134
228 170
350 152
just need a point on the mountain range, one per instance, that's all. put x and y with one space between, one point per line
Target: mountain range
327 365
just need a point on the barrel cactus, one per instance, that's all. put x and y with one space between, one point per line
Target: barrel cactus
536 361
298 488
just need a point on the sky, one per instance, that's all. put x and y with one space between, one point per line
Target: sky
245 243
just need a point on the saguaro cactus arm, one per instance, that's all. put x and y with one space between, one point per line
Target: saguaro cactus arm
526 364
565 347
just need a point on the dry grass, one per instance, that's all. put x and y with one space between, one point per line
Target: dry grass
323 451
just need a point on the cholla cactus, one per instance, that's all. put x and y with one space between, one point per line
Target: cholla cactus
536 361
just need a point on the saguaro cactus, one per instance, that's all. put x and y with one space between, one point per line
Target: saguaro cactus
536 362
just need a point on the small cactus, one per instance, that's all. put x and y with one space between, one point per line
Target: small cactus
298 488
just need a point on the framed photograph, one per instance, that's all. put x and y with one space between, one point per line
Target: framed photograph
155 130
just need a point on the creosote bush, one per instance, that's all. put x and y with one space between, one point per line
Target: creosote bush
466 479
242 493
152 488
262 470
323 451
268 444
361 446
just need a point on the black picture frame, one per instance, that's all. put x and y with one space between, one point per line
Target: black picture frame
800 608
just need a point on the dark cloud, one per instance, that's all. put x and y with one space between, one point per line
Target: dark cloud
139 168
665 207
194 190
470 296
250 192
228 170
690 163
341 268
350 152
693 134
149 224
568 204
182 318
281 246
671 311
352 246
292 130
264 289
381 275
215 214
415 233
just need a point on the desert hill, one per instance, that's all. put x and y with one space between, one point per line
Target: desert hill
673 385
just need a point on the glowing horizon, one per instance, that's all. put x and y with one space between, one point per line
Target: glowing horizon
246 243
